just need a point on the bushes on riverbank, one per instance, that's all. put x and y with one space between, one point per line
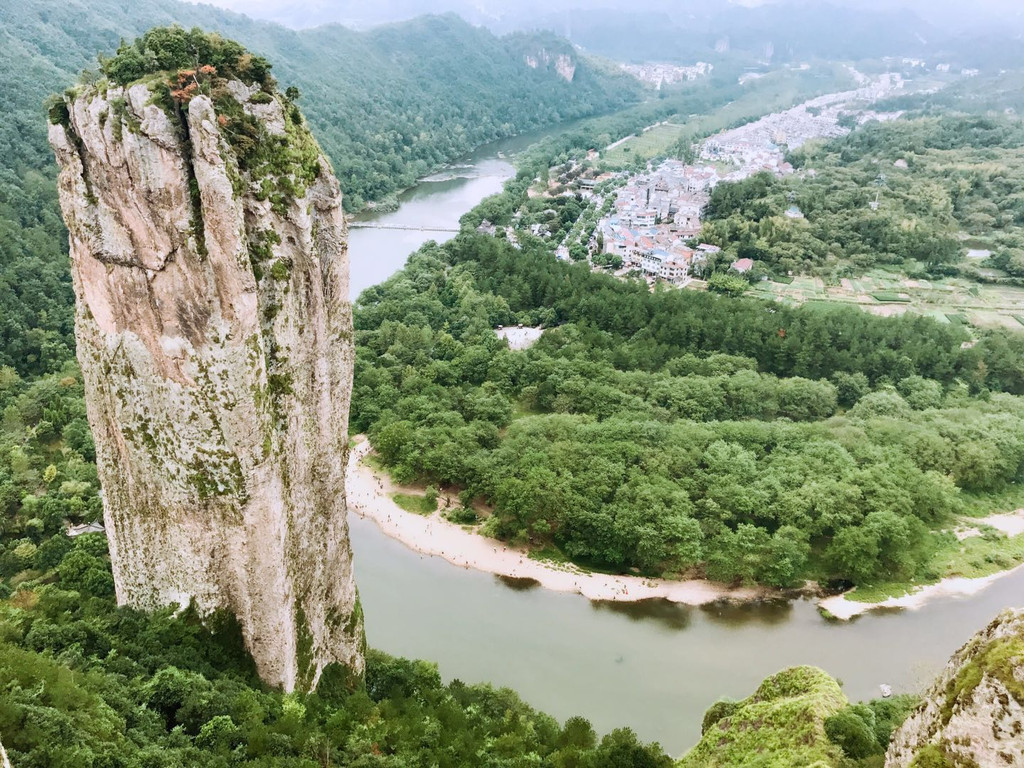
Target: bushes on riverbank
681 432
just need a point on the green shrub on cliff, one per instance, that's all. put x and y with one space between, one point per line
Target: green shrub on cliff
782 725
166 49
863 731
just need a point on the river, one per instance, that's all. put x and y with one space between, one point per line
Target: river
380 243
654 667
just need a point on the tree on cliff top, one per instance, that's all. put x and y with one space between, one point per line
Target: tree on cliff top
164 49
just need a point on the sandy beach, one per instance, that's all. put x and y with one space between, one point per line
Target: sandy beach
369 495
842 607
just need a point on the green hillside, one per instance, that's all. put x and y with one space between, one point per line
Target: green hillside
387 105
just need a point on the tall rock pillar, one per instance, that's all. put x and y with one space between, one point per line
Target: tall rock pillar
214 332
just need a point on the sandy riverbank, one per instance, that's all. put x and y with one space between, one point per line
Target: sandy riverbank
841 607
369 495
1009 523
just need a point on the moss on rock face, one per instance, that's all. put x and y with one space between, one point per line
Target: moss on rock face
780 726
1002 660
974 714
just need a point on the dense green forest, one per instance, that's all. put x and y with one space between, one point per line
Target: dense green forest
901 193
679 432
86 684
387 107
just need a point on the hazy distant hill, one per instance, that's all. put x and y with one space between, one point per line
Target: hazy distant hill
690 29
387 104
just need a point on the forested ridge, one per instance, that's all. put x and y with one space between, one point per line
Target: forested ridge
903 193
387 106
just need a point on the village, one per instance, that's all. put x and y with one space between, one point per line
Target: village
657 74
652 226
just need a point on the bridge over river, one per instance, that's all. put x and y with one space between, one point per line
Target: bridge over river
377 225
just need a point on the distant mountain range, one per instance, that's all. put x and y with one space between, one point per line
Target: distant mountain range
690 29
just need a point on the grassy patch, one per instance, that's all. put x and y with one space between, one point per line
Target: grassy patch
973 558
418 505
549 554
876 593
890 297
978 505
554 558
781 725
653 143
374 462
978 556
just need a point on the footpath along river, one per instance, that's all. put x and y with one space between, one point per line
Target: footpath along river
653 666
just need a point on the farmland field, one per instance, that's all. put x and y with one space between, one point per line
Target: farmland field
886 293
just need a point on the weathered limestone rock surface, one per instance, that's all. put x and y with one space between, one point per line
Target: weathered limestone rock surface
973 715
214 331
564 64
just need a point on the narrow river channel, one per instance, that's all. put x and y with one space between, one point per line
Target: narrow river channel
654 667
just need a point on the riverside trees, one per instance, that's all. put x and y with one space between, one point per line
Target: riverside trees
683 432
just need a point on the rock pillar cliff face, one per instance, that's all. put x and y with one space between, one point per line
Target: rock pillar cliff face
214 331
973 715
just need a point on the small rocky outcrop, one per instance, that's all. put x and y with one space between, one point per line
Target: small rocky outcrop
973 715
781 724
563 63
214 333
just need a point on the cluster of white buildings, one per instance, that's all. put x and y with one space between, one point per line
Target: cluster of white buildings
655 217
760 145
657 214
922 64
668 74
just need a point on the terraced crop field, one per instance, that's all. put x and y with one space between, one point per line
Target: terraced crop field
886 293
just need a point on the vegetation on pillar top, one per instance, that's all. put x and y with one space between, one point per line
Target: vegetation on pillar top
177 65
169 49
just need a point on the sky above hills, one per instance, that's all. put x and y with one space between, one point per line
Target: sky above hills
950 15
